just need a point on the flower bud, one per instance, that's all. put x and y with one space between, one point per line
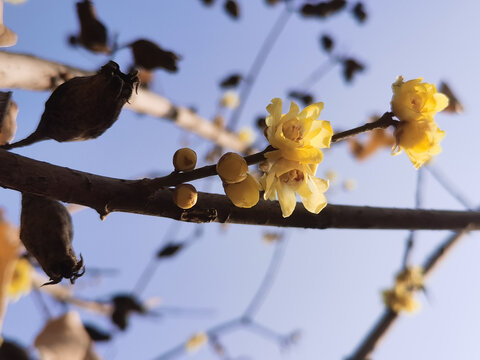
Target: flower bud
185 196
230 100
232 168
184 159
244 194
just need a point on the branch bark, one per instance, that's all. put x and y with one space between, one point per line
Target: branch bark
106 195
22 71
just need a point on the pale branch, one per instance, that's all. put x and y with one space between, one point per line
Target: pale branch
106 195
388 318
22 71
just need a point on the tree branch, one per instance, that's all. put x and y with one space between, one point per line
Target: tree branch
388 318
106 195
28 72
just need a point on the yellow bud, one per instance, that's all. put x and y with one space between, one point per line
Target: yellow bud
185 196
232 168
244 194
184 159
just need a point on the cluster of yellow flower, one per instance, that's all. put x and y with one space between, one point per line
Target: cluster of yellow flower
415 103
298 137
290 169
401 296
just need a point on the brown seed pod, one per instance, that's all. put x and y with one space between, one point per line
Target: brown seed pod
46 232
84 107
93 34
149 56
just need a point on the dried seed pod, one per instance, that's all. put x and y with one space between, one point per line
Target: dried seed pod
327 42
46 232
359 12
93 34
84 107
149 55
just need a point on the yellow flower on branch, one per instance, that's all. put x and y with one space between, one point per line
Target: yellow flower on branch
401 296
420 140
196 342
415 103
297 136
414 100
286 178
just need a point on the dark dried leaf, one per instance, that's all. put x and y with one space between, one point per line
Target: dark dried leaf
145 77
96 334
207 2
84 107
261 123
149 55
454 105
46 232
323 9
231 81
305 98
10 350
272 2
169 250
93 34
359 12
124 305
232 9
350 68
327 43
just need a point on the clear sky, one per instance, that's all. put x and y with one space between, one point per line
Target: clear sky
329 282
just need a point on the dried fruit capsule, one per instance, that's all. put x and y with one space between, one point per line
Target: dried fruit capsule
232 168
244 194
184 159
84 107
46 231
185 196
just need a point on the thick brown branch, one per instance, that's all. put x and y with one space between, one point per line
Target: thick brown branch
32 73
106 195
388 318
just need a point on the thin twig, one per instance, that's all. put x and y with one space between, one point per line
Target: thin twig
267 281
418 204
447 185
385 121
258 63
387 319
246 319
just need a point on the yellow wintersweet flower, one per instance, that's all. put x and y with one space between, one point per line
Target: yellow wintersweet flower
419 139
414 100
401 296
399 301
196 342
410 278
297 136
21 281
285 178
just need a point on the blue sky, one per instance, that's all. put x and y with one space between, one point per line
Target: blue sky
330 280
